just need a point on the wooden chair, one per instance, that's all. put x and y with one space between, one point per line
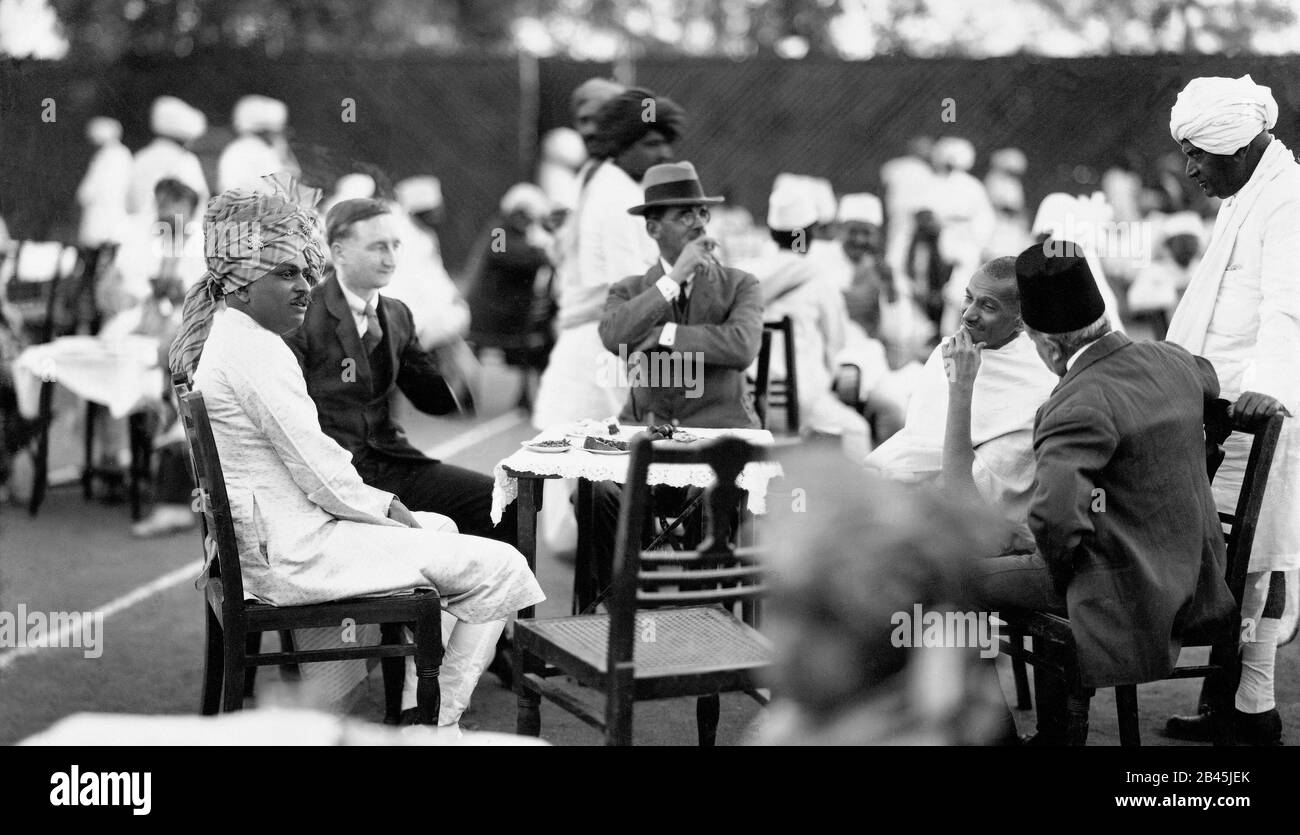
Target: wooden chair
777 393
1053 650
235 626
40 270
689 643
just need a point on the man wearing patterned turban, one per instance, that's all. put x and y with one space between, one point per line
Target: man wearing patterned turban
1241 311
309 530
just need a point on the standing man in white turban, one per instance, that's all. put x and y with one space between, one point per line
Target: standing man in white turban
1242 313
175 125
102 192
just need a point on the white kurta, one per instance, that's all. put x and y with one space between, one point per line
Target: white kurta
309 530
1251 333
600 245
102 195
159 159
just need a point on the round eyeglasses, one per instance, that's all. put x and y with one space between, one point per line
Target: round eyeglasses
693 216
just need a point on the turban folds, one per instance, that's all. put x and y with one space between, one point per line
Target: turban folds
1221 115
247 233
629 116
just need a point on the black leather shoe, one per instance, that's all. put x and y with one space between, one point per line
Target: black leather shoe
1254 729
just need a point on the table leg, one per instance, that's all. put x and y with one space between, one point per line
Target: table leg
528 710
585 584
141 442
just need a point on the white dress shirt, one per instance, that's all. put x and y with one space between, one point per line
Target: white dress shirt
670 289
358 307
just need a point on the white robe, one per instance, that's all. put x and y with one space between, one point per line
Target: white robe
1241 311
1011 384
159 159
245 161
599 245
308 529
103 194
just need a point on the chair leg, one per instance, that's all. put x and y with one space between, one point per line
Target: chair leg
40 470
394 674
707 710
1221 690
618 709
88 448
528 703
233 691
212 665
428 658
1076 716
252 646
288 671
1126 706
1020 672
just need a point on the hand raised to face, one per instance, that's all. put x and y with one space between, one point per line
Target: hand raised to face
962 359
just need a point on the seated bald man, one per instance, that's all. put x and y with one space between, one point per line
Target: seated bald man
972 421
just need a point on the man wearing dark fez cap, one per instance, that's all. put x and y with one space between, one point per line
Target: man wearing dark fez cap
1128 540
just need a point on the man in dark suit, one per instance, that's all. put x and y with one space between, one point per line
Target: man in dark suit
1128 539
687 330
357 347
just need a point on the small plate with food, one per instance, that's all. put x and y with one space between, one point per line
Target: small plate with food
605 446
553 445
594 428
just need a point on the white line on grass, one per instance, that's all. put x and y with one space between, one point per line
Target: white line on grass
448 448
126 601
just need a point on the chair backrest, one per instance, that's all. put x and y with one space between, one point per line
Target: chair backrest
717 572
1239 526
39 269
221 550
778 393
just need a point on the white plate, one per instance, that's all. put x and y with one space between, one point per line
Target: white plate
606 451
532 447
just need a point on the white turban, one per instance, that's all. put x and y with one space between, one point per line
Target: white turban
527 198
419 194
253 114
955 152
173 118
792 206
863 208
1222 115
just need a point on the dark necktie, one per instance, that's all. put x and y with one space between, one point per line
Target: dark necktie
374 333
681 304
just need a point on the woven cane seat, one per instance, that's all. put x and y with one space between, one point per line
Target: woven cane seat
668 642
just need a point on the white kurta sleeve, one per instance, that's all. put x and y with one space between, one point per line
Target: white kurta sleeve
276 401
1272 370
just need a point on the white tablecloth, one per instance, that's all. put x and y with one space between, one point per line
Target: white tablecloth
120 373
580 463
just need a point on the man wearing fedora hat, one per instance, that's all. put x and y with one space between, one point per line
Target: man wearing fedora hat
687 311
1128 542
689 305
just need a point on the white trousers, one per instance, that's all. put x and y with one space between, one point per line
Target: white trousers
468 650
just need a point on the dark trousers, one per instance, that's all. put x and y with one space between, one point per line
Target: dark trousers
606 500
175 484
1022 581
426 485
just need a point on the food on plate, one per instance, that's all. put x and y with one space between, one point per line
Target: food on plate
668 432
553 444
583 428
604 444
